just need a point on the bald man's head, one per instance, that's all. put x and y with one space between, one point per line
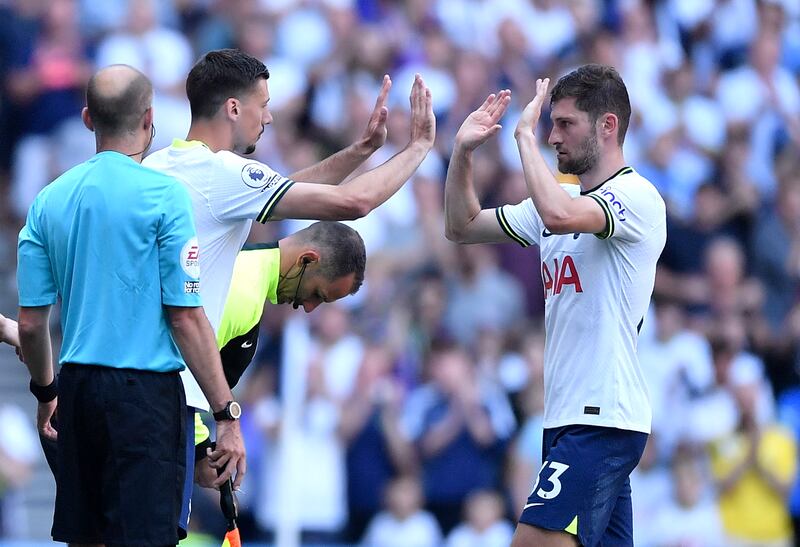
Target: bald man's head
117 97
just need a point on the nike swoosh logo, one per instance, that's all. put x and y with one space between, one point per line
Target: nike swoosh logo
532 505
247 344
545 233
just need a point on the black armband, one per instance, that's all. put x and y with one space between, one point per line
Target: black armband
44 394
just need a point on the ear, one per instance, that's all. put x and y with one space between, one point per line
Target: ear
148 118
87 120
308 256
232 108
609 124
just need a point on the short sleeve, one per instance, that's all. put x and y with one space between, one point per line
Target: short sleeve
35 277
632 209
178 251
245 189
521 222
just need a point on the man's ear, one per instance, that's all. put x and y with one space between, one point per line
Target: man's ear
87 120
308 256
148 118
610 124
233 108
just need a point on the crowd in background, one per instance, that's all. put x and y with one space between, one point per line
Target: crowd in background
417 403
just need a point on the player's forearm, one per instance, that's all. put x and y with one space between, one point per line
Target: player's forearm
34 338
461 203
374 187
551 201
335 168
195 339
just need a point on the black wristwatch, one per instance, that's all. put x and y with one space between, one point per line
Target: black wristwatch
232 411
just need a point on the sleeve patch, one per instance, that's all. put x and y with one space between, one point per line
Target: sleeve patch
254 175
190 258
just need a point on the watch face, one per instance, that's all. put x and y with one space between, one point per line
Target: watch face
235 410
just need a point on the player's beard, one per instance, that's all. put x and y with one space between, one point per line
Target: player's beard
583 159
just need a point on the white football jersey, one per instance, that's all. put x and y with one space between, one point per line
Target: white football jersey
227 193
597 288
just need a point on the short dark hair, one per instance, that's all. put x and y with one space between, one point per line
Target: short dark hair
597 89
341 250
120 113
219 75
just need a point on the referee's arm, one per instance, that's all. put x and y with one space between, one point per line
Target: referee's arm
34 338
195 338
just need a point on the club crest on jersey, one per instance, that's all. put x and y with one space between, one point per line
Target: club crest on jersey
254 176
563 273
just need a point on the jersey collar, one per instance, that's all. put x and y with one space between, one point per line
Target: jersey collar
182 144
624 171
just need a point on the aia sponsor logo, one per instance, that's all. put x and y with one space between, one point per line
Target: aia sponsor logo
558 275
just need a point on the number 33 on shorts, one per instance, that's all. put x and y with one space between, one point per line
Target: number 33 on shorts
554 483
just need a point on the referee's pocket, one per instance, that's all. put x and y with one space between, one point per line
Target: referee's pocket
134 428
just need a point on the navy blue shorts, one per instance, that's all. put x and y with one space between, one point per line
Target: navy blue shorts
121 456
583 486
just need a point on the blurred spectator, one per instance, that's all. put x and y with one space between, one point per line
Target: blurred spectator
677 366
789 415
525 456
713 414
484 525
19 452
765 96
164 55
459 426
776 252
48 72
652 484
480 280
376 449
754 469
690 516
404 523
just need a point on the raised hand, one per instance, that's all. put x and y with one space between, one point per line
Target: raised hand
375 134
530 116
482 124
423 122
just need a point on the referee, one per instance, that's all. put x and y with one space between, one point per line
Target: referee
116 243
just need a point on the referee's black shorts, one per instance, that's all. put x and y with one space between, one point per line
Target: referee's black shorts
121 456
